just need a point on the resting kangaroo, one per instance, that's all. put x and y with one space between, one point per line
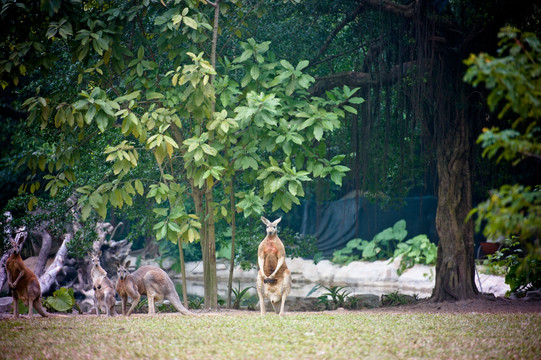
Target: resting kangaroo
156 285
104 291
22 281
273 277
125 286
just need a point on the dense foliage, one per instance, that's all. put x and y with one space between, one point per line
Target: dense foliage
513 210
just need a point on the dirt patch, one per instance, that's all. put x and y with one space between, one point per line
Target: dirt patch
480 305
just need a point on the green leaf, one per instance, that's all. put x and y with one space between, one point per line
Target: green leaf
188 21
356 100
318 132
62 300
90 113
151 95
139 187
254 72
302 64
350 109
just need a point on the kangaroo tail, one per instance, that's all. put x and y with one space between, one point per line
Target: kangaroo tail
175 301
39 308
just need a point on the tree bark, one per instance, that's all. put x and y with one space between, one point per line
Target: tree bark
233 236
455 267
183 274
211 281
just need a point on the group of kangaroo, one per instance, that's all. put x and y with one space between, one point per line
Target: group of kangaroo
147 280
273 280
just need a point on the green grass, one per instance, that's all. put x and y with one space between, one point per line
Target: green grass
354 335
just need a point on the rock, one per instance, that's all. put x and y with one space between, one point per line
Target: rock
325 271
368 301
302 304
534 295
5 304
492 284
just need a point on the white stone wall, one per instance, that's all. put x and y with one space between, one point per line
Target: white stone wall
360 277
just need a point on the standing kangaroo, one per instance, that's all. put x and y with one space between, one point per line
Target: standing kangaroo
273 277
125 286
104 296
155 284
22 281
104 291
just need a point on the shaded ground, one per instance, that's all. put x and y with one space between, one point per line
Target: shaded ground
481 305
485 305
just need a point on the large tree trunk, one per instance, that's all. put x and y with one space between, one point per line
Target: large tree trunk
455 267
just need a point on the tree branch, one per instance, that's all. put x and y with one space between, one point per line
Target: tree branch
407 11
349 18
358 79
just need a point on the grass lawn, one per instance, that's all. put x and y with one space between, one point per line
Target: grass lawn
326 335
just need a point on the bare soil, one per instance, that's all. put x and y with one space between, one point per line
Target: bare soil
480 305
486 305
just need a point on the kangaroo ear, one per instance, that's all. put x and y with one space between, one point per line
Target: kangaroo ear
127 264
275 222
265 221
98 254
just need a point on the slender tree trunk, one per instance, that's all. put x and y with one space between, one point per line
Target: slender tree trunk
233 236
211 285
183 274
209 270
208 237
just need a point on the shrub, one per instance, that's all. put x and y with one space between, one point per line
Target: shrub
389 244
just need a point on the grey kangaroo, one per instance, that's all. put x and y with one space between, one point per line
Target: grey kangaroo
125 286
150 281
104 291
104 296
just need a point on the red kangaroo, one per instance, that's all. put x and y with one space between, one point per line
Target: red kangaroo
273 278
22 281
